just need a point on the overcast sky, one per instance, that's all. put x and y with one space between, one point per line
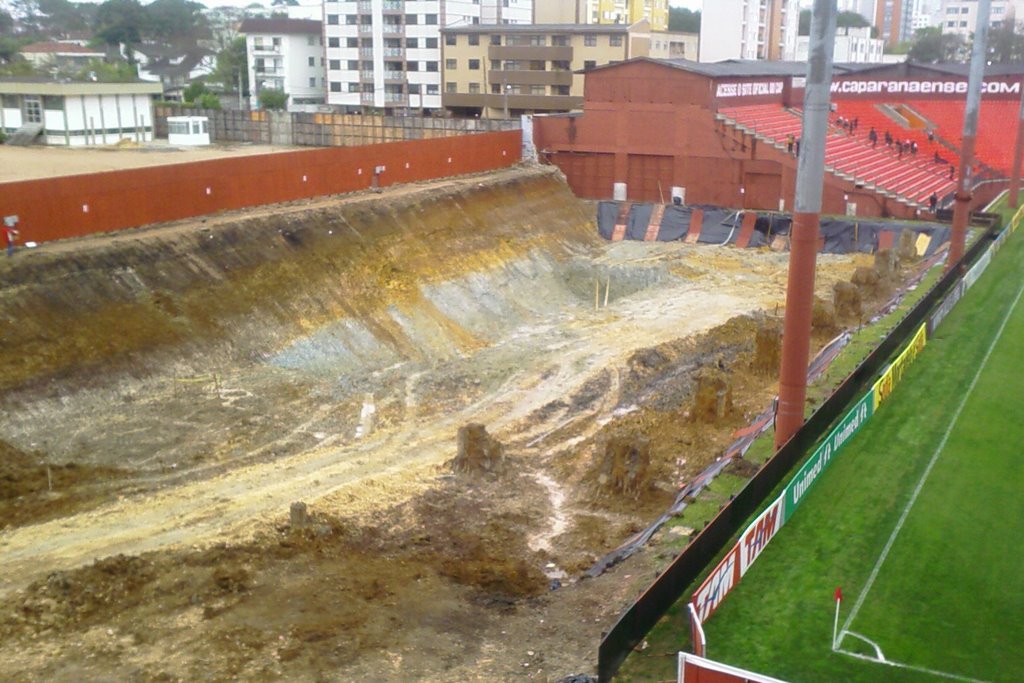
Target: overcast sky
688 4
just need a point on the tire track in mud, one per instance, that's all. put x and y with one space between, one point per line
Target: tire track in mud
393 461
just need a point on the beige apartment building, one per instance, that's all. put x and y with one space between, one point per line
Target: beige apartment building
508 70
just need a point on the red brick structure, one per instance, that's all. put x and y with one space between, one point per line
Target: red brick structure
652 125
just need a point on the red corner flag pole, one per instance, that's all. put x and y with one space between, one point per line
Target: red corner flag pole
835 625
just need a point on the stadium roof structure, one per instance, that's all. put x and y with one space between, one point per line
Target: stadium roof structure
751 68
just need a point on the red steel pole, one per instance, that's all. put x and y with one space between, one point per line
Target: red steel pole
962 205
1018 152
796 328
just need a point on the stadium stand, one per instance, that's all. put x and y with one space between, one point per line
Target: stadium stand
910 177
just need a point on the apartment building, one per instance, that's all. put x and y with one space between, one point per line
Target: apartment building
501 71
655 12
852 46
749 29
386 54
961 16
286 54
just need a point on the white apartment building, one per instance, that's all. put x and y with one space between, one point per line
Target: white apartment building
286 54
852 45
749 29
386 54
961 16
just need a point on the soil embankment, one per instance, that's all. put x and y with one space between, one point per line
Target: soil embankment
168 393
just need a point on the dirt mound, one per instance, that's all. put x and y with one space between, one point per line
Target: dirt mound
713 400
823 316
767 347
34 490
478 451
847 300
625 463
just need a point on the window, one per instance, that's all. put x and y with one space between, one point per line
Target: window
560 41
474 39
431 43
474 88
312 81
351 42
559 90
335 86
412 42
311 61
589 64
53 102
432 66
590 41
353 87
414 88
334 42
411 19
450 87
495 40
433 89
310 40
411 66
615 41
451 64
353 65
449 39
332 20
334 65
430 19
474 65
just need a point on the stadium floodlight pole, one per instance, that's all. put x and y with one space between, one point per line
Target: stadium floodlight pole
803 242
1018 152
962 204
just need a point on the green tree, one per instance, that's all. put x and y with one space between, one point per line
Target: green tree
120 22
193 90
683 20
174 22
208 100
6 23
1005 45
273 99
232 61
97 70
932 46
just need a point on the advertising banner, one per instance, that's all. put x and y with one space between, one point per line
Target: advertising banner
757 535
946 306
822 457
977 269
714 589
894 373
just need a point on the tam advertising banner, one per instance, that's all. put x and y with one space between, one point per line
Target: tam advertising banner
714 589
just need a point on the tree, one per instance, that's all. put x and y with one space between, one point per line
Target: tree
97 70
1005 46
843 20
120 22
6 23
232 62
174 22
683 20
273 99
931 46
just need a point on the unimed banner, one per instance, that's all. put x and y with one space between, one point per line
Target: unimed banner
894 373
977 269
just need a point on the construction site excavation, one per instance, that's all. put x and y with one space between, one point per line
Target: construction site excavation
382 436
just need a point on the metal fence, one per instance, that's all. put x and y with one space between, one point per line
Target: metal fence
677 579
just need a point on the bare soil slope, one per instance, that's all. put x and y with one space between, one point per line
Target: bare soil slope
167 394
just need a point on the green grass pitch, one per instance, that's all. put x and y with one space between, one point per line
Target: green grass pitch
947 601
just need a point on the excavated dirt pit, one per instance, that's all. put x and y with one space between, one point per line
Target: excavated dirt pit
167 394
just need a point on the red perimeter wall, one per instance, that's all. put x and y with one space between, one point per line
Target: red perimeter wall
73 206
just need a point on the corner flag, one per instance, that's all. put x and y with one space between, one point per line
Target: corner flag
835 625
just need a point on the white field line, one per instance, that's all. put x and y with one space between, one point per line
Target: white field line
913 498
900 665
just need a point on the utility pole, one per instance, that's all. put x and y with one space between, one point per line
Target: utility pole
803 242
962 204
